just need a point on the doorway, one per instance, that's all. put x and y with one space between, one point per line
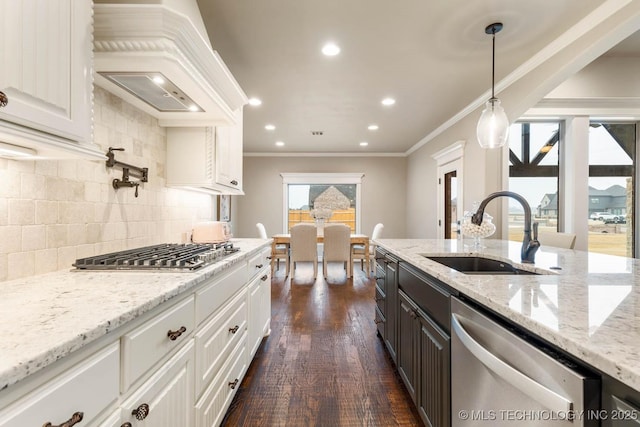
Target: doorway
449 199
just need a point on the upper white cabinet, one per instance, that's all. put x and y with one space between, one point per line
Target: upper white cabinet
229 154
46 74
206 158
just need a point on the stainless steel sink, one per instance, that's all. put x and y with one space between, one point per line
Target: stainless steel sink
478 265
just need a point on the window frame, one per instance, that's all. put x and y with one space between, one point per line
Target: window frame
321 178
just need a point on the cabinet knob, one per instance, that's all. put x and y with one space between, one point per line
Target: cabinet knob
234 329
413 314
234 182
265 277
259 266
75 418
141 412
3 100
233 384
173 335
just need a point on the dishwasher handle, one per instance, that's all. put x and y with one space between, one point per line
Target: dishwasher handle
549 398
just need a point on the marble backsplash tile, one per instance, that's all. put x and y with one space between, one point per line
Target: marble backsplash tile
54 211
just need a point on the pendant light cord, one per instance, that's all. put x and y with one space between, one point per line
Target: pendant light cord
493 64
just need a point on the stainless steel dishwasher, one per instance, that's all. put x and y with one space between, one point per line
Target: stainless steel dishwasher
500 378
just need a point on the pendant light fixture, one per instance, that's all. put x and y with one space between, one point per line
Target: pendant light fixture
493 126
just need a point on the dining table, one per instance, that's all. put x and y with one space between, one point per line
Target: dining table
356 239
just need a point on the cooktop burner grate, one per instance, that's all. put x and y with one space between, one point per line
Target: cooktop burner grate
164 256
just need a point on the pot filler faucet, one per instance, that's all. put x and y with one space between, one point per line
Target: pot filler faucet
529 245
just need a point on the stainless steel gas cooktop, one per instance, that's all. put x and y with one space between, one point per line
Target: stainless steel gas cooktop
159 257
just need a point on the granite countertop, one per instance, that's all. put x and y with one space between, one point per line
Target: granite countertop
49 316
590 308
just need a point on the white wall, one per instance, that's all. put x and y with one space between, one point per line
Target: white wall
383 191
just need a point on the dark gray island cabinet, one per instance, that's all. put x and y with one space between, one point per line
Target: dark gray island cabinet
417 335
414 321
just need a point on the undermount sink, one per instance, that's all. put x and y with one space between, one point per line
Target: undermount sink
478 265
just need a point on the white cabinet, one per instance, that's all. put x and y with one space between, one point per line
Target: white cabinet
46 74
229 154
259 302
140 375
80 393
166 399
147 344
206 158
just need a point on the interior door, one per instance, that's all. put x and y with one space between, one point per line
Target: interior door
449 200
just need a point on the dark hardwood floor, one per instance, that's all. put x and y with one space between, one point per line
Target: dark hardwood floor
323 364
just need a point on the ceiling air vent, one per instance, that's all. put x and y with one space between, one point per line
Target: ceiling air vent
317 132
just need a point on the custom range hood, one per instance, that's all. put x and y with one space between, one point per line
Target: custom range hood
156 55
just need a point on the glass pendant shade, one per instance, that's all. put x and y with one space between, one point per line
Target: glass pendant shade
493 126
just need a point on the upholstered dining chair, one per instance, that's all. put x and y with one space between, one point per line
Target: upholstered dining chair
304 247
337 246
357 251
557 240
278 252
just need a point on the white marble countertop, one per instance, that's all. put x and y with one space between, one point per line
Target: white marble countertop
49 316
590 308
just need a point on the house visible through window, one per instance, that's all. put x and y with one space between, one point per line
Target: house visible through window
322 199
612 150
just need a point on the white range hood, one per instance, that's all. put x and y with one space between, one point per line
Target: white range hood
156 55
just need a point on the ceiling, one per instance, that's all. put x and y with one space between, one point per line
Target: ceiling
432 56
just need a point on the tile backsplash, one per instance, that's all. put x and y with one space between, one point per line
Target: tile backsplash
55 211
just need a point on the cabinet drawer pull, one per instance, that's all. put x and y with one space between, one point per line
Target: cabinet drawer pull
265 277
234 329
173 335
259 266
127 424
141 412
233 384
234 182
3 100
75 418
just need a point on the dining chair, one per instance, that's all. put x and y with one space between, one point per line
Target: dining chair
304 247
278 252
557 240
358 252
337 246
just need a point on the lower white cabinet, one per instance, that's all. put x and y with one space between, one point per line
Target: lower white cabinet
81 394
259 297
179 365
217 338
166 399
213 404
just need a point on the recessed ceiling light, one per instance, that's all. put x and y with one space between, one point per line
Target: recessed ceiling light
364 144
388 101
270 127
330 49
158 80
193 108
255 102
372 127
279 143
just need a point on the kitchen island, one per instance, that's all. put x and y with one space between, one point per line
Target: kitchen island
53 323
585 304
